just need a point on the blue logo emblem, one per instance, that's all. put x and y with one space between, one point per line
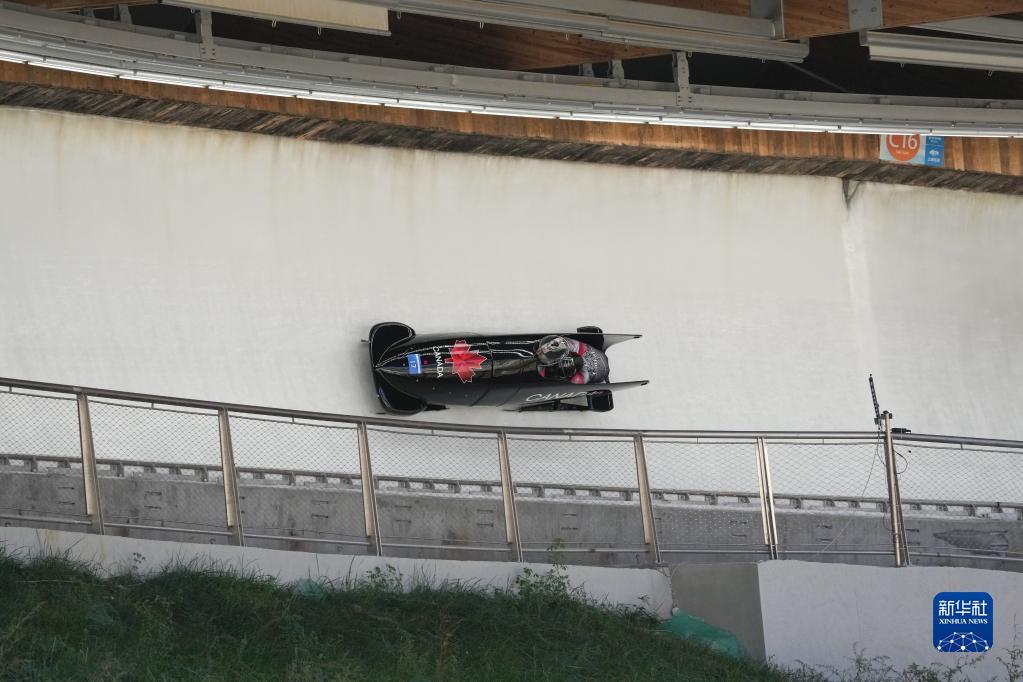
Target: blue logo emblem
935 156
964 622
415 363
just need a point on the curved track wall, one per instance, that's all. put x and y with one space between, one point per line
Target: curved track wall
243 268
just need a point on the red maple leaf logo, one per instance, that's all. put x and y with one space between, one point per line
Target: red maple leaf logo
464 361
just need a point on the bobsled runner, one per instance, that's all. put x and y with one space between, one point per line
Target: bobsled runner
552 371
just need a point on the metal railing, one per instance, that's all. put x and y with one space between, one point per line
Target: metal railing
155 466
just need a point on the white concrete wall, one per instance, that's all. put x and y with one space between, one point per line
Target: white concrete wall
633 587
247 268
818 613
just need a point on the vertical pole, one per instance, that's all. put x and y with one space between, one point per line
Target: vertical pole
771 522
646 506
762 487
511 518
894 498
231 506
90 479
369 492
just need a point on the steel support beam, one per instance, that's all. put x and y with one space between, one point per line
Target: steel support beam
646 501
935 51
90 478
864 14
336 14
231 502
369 493
767 499
622 21
588 14
894 498
204 29
984 27
511 518
771 10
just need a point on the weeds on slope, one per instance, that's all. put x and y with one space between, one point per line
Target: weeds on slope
59 619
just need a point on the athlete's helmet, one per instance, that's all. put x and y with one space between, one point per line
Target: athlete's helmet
552 349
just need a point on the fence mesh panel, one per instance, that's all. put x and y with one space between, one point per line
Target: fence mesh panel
828 469
438 489
961 500
577 495
831 498
705 496
959 473
439 493
299 480
40 457
158 467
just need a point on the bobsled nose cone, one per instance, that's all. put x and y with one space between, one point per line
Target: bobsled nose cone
384 366
400 364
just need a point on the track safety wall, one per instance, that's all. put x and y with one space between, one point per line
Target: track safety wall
243 268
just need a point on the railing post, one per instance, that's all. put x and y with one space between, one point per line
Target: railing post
369 492
894 497
762 488
767 499
231 506
646 501
90 478
511 518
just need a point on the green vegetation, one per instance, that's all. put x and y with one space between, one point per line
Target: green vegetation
59 620
880 669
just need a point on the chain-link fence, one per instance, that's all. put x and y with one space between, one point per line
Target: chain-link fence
299 483
706 498
159 468
438 491
831 499
961 501
577 499
40 459
154 468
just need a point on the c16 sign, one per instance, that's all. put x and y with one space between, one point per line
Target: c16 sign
919 150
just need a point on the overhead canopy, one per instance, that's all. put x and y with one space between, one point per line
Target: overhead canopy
339 14
500 33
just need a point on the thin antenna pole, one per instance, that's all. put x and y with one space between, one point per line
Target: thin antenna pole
877 407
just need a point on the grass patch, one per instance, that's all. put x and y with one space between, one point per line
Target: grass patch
59 619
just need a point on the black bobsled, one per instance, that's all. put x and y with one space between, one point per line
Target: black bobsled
554 371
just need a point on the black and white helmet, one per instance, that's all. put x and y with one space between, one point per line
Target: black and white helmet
552 349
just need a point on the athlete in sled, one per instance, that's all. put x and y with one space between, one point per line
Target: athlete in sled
566 371
561 357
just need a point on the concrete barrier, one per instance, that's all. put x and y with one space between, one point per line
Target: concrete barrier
793 612
566 527
644 588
